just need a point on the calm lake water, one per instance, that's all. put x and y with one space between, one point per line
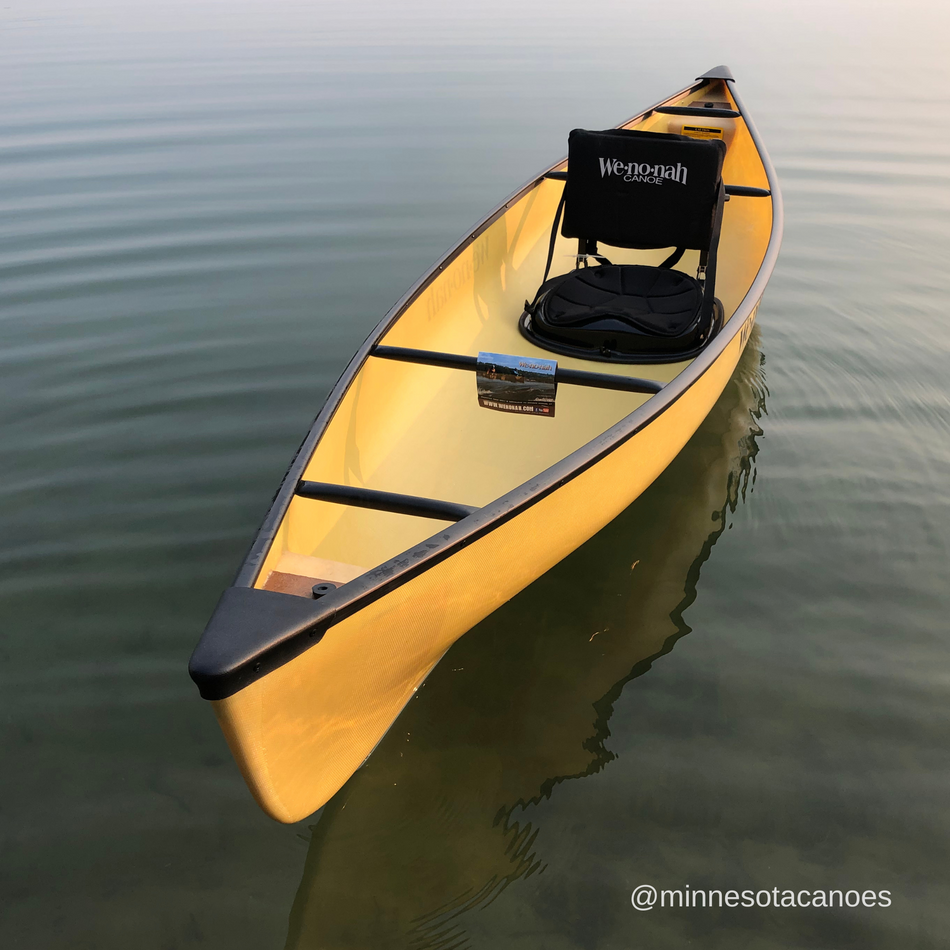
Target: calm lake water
743 682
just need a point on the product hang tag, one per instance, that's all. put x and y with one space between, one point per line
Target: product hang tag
520 384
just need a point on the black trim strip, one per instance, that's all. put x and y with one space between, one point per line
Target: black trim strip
571 377
557 176
413 505
223 664
699 110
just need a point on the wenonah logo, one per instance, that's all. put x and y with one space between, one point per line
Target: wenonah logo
648 174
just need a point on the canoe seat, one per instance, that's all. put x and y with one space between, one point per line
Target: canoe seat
628 309
634 189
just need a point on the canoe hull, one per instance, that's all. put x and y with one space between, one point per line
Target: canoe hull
301 731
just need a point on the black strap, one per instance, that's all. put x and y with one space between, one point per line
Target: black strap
529 307
708 257
674 258
557 221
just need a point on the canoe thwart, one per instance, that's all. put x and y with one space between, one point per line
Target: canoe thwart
384 501
699 110
571 377
744 191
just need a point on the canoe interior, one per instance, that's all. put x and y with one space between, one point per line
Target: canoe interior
418 430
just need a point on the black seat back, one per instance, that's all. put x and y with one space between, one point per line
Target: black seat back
643 189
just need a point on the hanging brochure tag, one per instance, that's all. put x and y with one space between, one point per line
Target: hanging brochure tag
516 384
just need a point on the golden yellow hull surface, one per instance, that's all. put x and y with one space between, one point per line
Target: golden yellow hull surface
303 707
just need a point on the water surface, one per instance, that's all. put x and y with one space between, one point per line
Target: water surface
206 208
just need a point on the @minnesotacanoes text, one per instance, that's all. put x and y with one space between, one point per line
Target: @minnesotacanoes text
646 897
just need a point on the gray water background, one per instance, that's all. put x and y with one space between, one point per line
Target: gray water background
205 208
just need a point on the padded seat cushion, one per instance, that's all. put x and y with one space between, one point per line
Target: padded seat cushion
624 308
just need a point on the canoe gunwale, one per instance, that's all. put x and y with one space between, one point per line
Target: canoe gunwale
222 668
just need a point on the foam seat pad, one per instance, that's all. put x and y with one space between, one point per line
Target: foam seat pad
628 308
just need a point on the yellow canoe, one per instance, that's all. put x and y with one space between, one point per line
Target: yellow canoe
411 512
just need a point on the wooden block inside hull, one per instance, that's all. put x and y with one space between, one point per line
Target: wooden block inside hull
294 583
297 573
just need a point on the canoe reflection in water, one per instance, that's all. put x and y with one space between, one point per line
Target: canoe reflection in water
445 815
